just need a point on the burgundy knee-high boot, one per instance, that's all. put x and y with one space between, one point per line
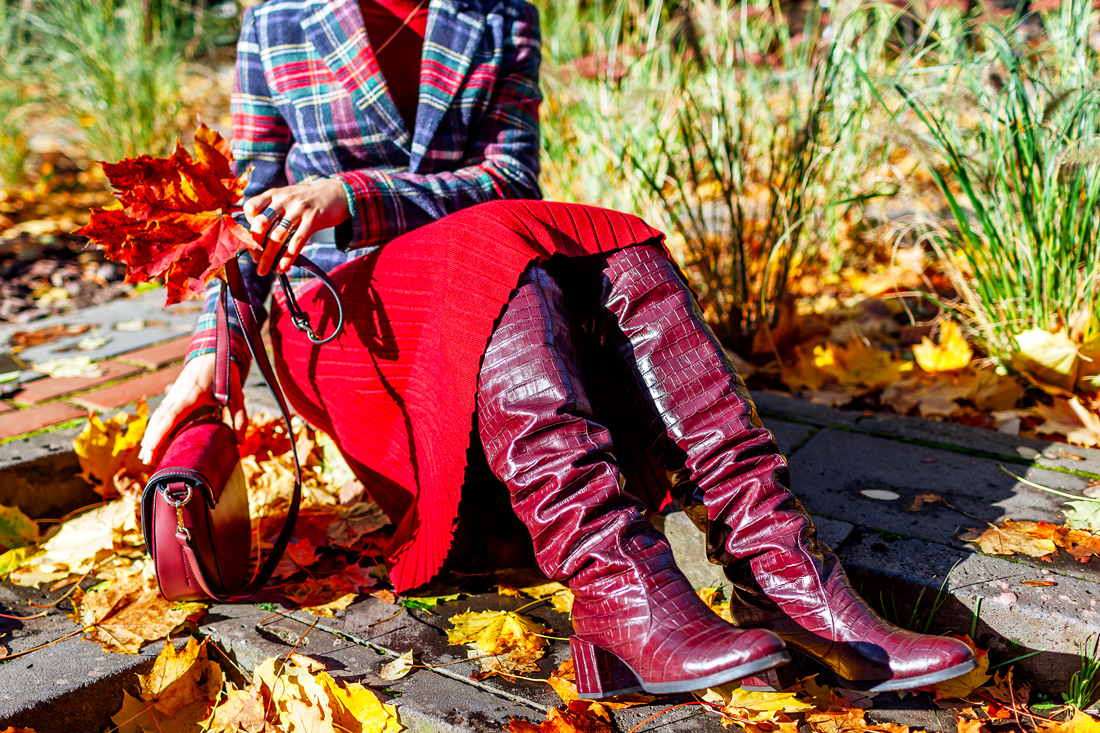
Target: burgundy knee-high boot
638 622
733 482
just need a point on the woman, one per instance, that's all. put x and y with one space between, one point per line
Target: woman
478 331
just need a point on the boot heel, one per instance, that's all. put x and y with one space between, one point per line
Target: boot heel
600 673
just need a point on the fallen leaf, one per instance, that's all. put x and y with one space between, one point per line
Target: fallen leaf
129 612
563 682
108 452
241 711
16 529
1079 543
761 705
176 216
102 538
13 559
508 663
494 632
560 597
73 366
328 610
1081 722
952 353
1012 538
560 721
299 555
1069 418
934 395
426 603
969 725
920 501
398 668
1004 690
963 686
1039 583
1083 515
1048 357
21 340
174 681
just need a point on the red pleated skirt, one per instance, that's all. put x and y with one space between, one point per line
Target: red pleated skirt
397 389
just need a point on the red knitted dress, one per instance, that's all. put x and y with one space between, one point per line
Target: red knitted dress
397 389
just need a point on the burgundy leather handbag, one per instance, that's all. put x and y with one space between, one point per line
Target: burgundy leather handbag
194 510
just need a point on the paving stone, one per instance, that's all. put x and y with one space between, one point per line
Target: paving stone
1013 619
52 388
789 436
148 385
771 404
70 686
1042 452
5 407
17 422
831 472
178 320
155 357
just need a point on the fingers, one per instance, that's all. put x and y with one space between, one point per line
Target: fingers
302 234
176 405
256 204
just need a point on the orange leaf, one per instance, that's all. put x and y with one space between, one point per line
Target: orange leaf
964 685
1079 723
970 726
560 721
176 219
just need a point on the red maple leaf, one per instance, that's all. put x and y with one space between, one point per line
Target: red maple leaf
176 216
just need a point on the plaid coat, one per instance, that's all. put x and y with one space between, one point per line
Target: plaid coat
310 101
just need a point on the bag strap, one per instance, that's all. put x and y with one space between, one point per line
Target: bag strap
246 313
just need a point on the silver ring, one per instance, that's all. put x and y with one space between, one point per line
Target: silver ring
284 223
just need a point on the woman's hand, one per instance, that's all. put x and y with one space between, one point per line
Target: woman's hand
193 388
295 212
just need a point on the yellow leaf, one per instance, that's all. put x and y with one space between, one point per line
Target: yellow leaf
108 451
800 373
1013 538
12 559
963 686
950 354
86 541
759 706
1048 357
16 528
358 710
174 680
494 632
561 598
1070 418
328 610
1081 722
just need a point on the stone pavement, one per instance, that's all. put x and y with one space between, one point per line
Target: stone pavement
846 467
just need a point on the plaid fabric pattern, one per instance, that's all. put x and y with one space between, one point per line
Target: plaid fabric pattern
309 101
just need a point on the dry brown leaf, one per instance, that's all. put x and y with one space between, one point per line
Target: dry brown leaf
21 340
1012 538
328 610
129 612
935 395
920 501
1038 583
1070 418
563 682
240 712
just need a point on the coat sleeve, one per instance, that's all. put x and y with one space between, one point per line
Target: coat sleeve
501 159
261 141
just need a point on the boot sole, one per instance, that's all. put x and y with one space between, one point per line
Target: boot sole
719 678
907 684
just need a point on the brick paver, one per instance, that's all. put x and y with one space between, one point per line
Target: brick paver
50 388
17 422
5 407
162 354
149 385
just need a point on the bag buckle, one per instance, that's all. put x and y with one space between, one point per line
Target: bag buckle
179 503
301 322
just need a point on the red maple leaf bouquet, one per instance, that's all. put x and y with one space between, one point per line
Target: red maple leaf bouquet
176 216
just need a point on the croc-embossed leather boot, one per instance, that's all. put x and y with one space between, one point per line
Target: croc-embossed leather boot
731 479
638 623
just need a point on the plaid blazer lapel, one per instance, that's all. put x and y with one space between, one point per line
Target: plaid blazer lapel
336 30
453 33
